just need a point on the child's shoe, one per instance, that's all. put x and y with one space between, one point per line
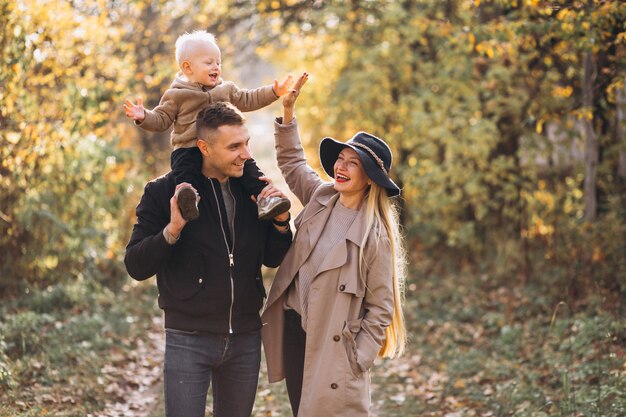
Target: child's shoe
188 203
271 207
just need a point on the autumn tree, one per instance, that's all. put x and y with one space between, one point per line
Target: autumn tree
483 103
63 177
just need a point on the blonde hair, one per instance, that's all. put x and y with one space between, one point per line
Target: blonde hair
381 215
184 43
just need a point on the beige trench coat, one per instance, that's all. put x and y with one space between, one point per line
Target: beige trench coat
347 314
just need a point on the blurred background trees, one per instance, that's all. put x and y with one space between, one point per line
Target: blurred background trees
506 118
507 122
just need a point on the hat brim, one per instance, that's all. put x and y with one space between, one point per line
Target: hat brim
329 152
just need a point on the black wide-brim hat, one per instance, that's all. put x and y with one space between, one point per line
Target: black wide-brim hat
374 153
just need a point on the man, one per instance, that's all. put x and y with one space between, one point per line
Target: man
209 273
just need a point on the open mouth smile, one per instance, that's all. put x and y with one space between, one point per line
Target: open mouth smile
341 178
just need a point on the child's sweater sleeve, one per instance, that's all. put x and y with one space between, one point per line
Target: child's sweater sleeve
244 100
162 116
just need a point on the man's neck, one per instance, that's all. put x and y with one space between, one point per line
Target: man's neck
214 175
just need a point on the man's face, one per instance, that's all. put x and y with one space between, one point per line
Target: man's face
225 152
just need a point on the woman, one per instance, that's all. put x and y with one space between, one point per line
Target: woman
335 303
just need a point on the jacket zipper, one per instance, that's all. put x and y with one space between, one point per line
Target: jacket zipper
230 252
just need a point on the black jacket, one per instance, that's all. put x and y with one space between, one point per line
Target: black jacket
196 290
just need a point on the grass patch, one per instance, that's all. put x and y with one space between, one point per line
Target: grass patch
478 350
55 343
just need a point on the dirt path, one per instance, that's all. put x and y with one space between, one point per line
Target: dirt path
136 378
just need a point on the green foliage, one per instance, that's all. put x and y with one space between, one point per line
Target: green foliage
63 175
55 343
481 101
70 171
506 352
6 378
22 333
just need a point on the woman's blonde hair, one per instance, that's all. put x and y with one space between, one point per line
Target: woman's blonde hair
382 214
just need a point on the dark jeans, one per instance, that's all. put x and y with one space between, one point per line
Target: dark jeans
294 343
195 360
187 167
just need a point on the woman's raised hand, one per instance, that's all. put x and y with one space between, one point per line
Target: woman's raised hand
290 98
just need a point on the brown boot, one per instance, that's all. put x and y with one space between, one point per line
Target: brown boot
188 203
272 207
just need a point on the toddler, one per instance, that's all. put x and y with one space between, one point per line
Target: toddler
197 84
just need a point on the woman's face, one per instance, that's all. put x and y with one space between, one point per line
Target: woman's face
350 177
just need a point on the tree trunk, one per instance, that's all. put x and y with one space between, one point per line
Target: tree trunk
620 128
591 140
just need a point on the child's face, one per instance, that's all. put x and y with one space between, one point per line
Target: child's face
204 65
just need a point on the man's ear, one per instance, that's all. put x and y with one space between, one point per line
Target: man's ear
203 146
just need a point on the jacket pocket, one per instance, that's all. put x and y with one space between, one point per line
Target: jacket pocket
185 278
350 330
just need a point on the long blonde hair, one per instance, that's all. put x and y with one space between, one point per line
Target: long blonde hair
382 213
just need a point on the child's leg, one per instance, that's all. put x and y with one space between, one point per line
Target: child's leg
186 166
268 207
250 180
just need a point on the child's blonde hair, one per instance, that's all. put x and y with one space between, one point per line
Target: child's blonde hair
184 43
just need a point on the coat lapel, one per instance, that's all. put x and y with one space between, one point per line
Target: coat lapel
311 223
338 255
316 221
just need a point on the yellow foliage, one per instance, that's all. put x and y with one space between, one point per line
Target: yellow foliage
485 48
539 228
545 197
564 14
539 126
562 92
598 255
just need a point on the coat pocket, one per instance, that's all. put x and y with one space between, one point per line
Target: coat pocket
185 277
350 329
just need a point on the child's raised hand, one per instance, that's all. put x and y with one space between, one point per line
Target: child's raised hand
280 89
135 111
